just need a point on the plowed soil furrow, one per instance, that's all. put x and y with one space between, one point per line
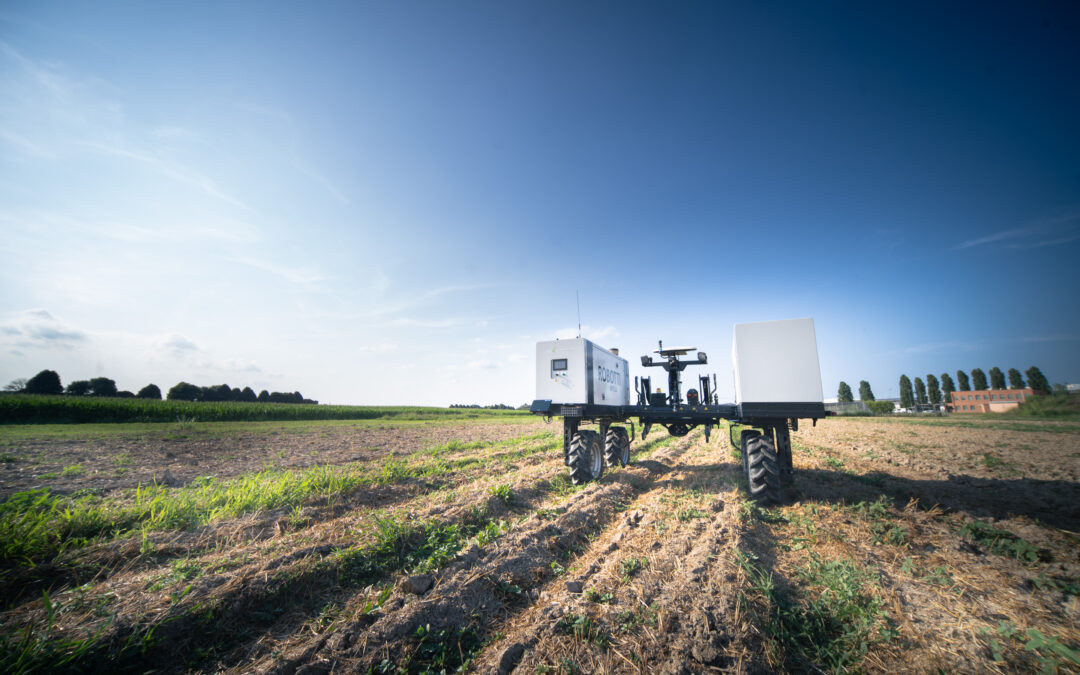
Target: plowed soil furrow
483 584
933 598
653 594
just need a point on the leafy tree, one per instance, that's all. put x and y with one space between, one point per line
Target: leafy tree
16 385
218 392
978 379
962 378
102 386
45 382
947 387
844 393
182 391
920 391
1037 381
78 388
865 393
1015 379
248 394
907 398
880 407
932 389
124 394
236 394
264 396
150 391
997 378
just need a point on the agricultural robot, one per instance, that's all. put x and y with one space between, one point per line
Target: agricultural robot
777 383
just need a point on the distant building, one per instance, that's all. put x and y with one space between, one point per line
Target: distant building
989 400
895 403
847 408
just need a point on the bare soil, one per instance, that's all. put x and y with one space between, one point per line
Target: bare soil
180 456
657 567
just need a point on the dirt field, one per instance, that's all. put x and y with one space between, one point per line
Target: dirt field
901 546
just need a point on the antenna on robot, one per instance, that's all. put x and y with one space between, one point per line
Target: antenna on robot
577 294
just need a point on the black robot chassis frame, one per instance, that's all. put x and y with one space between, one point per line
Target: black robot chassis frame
765 448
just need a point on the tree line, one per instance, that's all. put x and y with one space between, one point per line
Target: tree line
494 406
934 391
48 382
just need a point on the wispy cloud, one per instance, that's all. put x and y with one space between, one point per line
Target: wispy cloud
39 328
998 236
296 275
324 182
264 111
591 332
24 144
1039 228
1060 337
86 114
1048 242
426 323
940 346
174 170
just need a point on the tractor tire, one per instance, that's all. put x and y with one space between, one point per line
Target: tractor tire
763 469
744 438
783 455
617 447
586 457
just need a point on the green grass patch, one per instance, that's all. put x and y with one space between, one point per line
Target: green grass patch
828 624
1054 406
504 493
1000 542
1048 653
583 628
878 514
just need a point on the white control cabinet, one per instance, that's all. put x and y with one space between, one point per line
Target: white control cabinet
776 362
579 371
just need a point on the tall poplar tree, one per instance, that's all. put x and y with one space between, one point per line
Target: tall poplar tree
865 393
920 391
962 380
978 379
947 387
933 390
1037 381
1016 381
907 398
997 378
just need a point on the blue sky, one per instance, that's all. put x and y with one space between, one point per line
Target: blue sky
392 202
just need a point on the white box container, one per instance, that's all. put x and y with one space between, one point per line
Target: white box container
578 371
776 362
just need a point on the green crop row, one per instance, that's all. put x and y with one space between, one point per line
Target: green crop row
36 409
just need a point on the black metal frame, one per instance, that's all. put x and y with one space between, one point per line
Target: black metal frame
679 420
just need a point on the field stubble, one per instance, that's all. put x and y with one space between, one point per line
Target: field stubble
900 546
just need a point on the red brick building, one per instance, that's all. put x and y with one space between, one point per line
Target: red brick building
989 400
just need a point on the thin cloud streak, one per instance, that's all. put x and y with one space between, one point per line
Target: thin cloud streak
174 170
1031 229
295 275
